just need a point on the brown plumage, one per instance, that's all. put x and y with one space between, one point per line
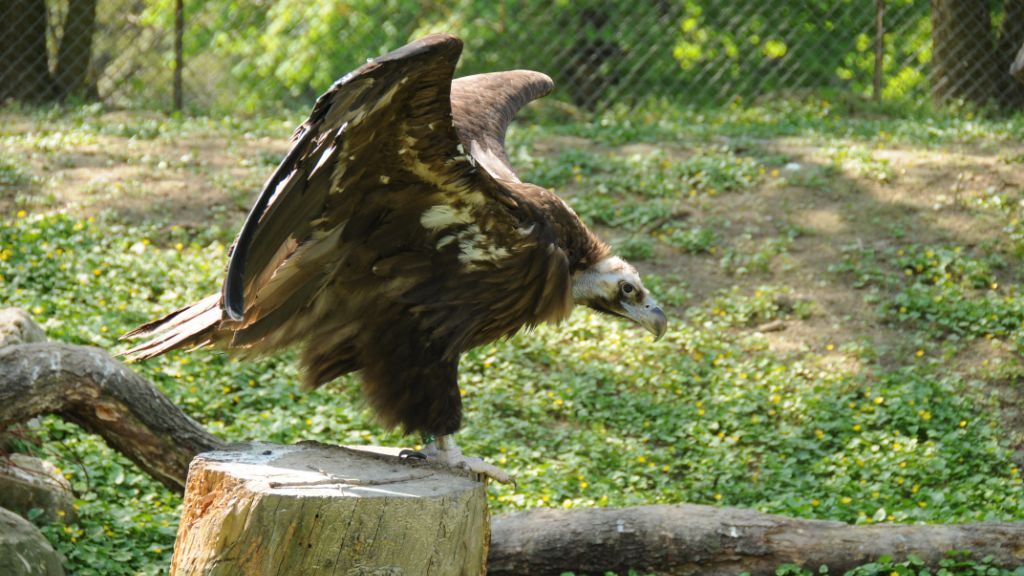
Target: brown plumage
395 235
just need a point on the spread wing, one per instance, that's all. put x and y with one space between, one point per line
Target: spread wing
379 223
485 104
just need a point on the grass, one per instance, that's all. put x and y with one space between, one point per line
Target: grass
839 348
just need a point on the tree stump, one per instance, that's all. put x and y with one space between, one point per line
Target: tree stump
268 509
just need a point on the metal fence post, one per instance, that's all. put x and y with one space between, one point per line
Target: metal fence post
179 58
876 86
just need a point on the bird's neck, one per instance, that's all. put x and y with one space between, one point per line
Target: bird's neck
582 247
585 249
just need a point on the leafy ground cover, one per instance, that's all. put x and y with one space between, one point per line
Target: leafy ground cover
846 314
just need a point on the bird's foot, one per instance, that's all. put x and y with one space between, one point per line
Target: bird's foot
446 451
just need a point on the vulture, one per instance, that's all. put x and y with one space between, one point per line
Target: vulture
395 235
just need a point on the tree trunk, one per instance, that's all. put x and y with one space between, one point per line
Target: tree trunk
312 509
86 386
75 51
687 539
24 64
961 50
1011 38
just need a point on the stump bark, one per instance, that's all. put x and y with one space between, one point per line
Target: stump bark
269 510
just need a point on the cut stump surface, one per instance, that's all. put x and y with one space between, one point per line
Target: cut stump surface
269 509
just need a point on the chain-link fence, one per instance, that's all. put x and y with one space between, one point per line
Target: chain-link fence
244 55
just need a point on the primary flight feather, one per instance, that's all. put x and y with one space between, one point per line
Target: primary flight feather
395 235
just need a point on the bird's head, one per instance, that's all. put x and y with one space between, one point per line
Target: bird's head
612 286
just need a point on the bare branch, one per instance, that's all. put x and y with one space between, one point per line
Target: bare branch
86 386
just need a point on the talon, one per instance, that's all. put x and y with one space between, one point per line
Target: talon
413 454
446 451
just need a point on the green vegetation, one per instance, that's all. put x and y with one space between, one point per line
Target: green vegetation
956 564
836 350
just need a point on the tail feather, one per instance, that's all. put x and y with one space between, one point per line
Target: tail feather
191 326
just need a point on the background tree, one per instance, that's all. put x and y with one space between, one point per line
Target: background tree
75 51
25 70
972 55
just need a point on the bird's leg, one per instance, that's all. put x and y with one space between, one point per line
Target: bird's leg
445 450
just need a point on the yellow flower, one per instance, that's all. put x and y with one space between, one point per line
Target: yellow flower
22 213
718 497
641 459
815 502
846 500
919 353
963 423
856 427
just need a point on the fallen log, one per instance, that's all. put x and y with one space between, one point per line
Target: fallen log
686 539
86 386
275 510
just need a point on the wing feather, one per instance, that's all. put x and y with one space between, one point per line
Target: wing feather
485 104
378 220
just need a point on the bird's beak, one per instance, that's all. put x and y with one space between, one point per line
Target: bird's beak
649 315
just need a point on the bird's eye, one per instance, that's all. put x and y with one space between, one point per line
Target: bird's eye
627 288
